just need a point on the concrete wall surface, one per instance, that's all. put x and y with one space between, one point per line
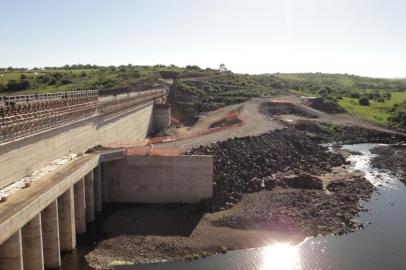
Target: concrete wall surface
22 157
160 179
161 116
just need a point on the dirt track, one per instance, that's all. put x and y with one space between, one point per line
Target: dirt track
256 123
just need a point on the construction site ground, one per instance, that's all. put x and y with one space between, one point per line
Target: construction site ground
254 122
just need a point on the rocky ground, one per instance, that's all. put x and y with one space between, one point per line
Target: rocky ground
391 158
281 185
249 164
329 133
302 211
282 108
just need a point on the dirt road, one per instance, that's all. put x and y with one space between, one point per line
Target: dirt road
254 122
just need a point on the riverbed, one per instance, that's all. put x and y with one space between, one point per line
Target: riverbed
379 246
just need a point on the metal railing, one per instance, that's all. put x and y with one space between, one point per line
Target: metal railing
24 115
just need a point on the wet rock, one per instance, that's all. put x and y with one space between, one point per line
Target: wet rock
392 159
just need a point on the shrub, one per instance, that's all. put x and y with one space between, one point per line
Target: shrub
65 81
14 85
363 101
354 95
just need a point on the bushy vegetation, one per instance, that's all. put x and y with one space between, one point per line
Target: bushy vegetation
81 77
398 116
363 101
205 94
336 86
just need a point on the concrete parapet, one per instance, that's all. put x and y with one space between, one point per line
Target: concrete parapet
50 236
11 253
33 255
111 155
160 179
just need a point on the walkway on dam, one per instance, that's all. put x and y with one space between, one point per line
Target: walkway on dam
24 198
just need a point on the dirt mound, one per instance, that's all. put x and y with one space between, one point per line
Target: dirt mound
230 120
303 181
282 108
327 106
249 164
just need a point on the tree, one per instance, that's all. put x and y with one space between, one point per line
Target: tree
363 101
194 67
222 68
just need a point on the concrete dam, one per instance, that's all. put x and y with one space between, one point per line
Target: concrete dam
51 185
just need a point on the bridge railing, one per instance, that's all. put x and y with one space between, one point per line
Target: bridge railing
123 102
27 114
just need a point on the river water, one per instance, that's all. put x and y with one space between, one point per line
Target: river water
381 245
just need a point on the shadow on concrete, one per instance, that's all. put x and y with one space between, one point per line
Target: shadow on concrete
150 219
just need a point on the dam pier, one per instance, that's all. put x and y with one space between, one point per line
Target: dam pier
51 186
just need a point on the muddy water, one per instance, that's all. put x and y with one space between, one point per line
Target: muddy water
380 246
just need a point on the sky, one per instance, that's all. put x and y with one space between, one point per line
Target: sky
363 37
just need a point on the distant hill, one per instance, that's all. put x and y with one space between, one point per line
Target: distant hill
339 85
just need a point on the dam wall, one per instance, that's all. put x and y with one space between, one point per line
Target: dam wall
25 155
42 220
160 179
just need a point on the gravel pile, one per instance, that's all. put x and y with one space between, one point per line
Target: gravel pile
250 164
282 108
327 106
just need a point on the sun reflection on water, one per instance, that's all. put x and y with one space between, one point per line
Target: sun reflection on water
281 256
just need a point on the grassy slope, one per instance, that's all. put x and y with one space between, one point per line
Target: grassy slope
342 86
376 112
211 93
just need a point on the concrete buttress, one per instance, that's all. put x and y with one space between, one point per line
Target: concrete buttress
89 195
66 215
50 236
11 253
33 255
80 206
